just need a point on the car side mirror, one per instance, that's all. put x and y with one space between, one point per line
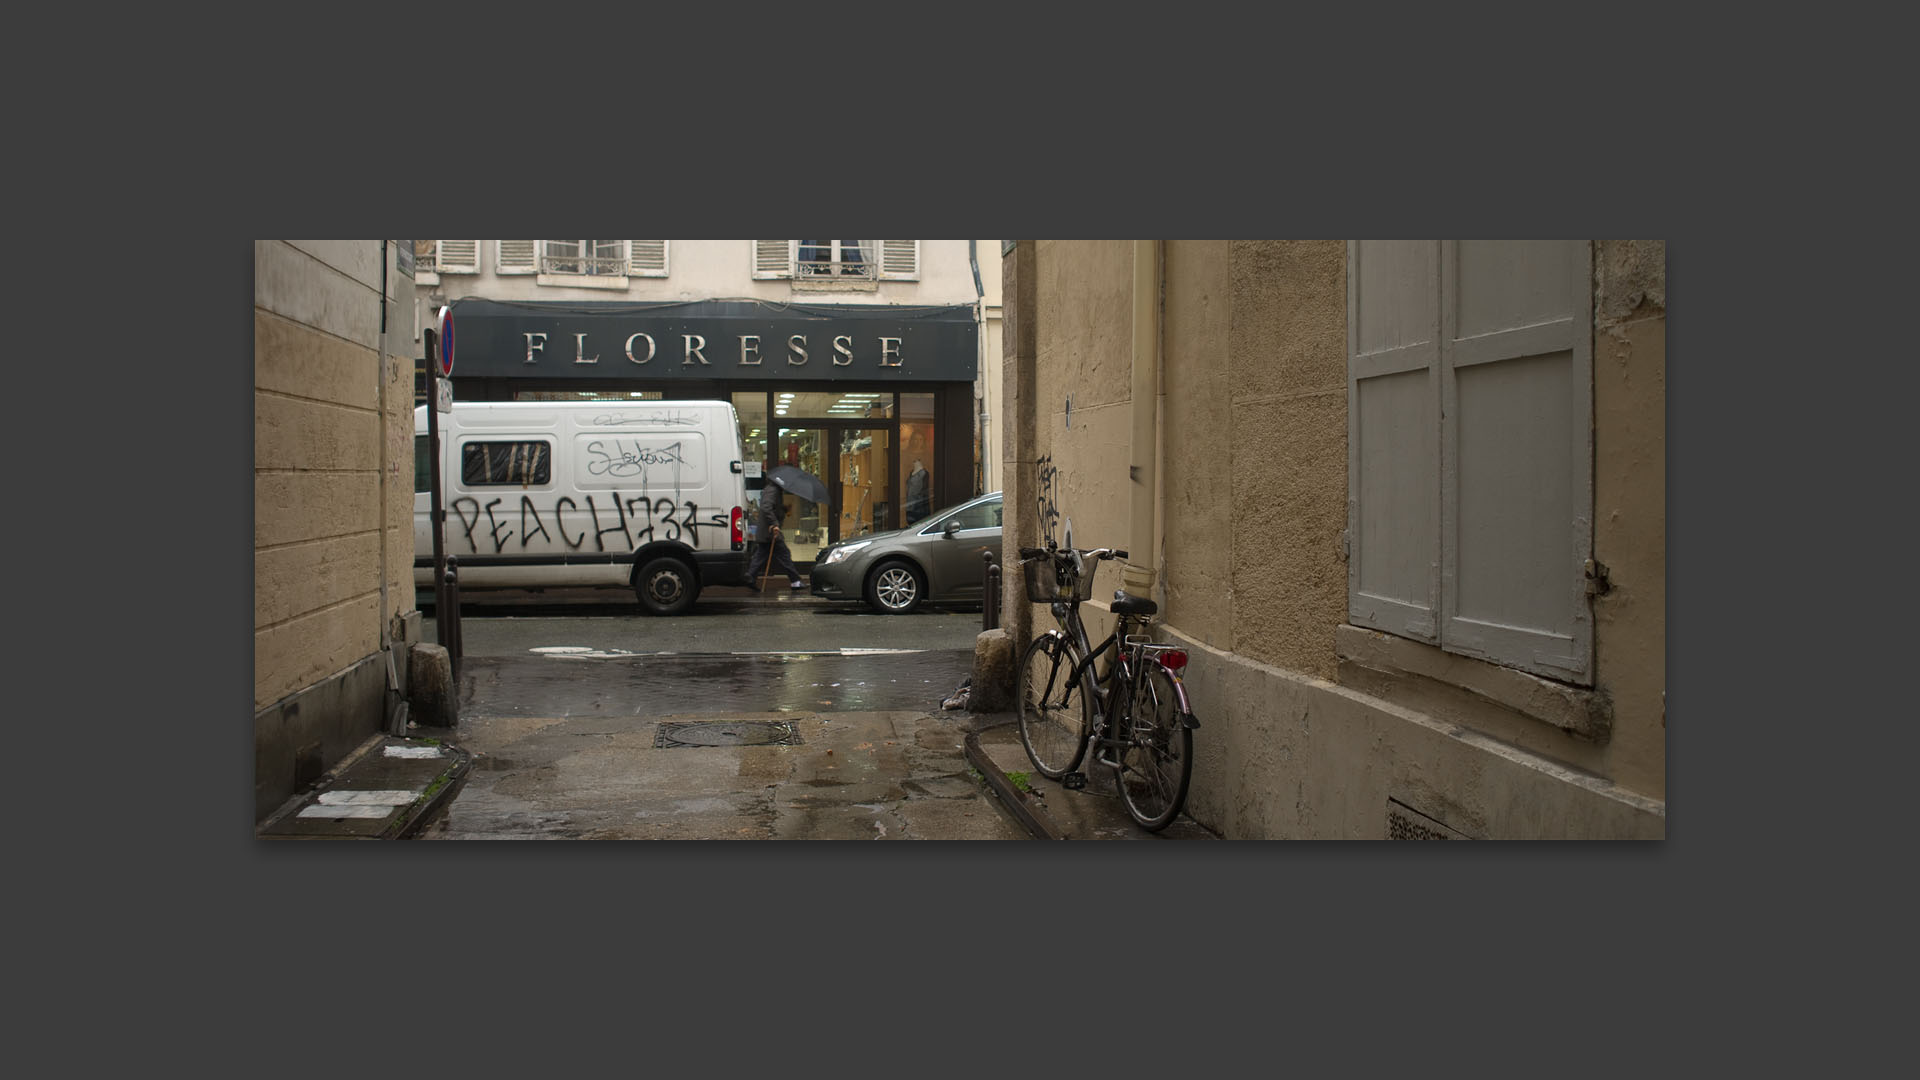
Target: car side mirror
952 526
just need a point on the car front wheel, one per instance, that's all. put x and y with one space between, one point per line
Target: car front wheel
896 587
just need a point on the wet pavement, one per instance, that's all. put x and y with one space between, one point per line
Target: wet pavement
588 740
829 776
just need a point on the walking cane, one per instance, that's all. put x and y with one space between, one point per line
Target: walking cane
768 576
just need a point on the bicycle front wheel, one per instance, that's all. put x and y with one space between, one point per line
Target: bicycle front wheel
1051 725
1156 761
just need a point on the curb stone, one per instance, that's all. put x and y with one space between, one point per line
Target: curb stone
388 788
1022 806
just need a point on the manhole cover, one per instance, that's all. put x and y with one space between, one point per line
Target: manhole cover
727 733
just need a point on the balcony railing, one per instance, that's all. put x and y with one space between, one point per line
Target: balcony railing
583 264
854 264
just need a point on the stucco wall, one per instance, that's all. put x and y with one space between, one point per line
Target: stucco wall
1295 741
1285 756
332 419
1197 474
1629 503
1287 358
1083 389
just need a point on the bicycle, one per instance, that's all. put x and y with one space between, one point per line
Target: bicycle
1134 716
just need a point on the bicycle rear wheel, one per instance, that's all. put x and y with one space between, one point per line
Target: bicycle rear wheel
1051 722
1156 762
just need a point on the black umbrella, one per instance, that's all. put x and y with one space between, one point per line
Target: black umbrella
798 481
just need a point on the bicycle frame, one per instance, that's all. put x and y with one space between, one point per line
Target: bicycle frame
1128 665
1139 721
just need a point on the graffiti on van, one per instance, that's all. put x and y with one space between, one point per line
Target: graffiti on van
634 520
610 420
627 458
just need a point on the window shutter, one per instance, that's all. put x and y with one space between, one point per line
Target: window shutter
514 256
773 258
648 258
1517 453
458 257
1393 437
900 260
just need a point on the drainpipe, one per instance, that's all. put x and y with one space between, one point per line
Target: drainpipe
1139 574
380 376
979 362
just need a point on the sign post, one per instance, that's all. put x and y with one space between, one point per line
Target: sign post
438 338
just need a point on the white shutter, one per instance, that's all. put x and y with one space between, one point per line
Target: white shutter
1517 453
648 258
773 258
900 260
514 256
458 257
1393 436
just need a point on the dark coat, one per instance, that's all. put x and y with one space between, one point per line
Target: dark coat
773 508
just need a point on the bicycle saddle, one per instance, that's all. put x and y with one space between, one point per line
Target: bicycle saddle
1132 605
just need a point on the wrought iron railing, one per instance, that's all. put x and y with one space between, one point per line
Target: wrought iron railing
583 264
817 262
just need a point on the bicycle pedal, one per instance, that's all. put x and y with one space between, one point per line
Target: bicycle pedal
1074 781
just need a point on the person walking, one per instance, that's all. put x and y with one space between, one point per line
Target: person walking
773 510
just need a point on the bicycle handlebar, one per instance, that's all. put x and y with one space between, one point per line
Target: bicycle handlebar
1028 554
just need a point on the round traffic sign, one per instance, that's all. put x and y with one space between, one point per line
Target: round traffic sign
446 341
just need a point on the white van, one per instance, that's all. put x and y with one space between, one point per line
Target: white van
649 495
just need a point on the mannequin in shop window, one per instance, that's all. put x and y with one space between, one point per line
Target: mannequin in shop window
917 496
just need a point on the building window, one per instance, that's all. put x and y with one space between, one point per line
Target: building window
837 260
834 258
1470 442
431 258
505 463
590 258
595 260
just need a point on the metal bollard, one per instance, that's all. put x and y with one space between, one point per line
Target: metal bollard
452 598
990 595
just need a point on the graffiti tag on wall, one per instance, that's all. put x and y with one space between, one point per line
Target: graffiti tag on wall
1047 506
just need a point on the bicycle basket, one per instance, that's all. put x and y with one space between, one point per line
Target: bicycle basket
1047 583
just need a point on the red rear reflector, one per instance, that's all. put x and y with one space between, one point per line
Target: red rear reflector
1173 660
739 533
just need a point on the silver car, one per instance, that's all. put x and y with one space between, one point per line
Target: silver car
936 560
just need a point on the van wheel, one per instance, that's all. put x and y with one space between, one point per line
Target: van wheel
666 586
896 587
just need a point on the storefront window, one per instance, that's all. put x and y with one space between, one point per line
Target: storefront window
864 483
805 528
917 462
752 408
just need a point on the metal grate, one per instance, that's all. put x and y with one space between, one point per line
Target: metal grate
726 733
1406 823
